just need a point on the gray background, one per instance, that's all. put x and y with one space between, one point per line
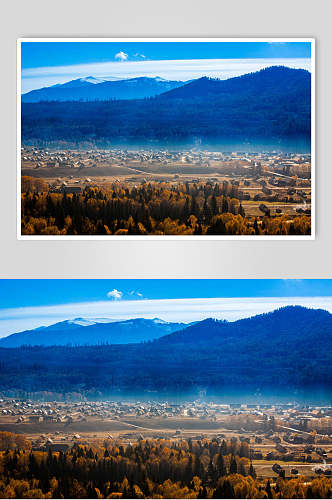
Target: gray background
165 259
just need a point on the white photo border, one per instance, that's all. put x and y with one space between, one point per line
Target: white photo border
112 238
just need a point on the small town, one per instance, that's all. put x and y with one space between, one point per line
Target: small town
268 183
289 437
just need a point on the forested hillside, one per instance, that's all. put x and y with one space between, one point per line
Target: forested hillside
271 104
289 348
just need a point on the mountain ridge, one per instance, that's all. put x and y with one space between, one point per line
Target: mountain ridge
256 82
272 104
81 331
289 347
276 320
91 88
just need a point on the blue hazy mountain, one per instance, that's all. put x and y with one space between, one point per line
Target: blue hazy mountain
271 104
288 349
274 80
83 331
92 89
291 324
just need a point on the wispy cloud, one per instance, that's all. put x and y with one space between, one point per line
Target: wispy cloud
183 70
186 310
119 295
134 293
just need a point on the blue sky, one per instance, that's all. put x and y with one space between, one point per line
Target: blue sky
21 293
48 63
27 304
36 54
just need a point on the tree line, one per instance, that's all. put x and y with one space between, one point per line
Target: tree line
151 208
147 468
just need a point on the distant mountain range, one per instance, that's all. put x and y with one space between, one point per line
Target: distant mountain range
271 104
92 89
290 348
81 331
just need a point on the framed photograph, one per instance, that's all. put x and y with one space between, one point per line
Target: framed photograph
166 138
175 389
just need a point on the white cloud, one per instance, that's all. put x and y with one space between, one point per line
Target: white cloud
186 310
121 56
115 294
186 69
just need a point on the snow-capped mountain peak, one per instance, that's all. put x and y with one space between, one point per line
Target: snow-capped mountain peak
81 322
159 321
91 88
93 331
92 79
160 79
